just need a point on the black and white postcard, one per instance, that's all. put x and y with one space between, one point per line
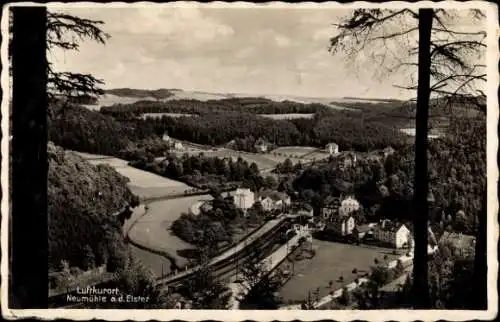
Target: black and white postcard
244 161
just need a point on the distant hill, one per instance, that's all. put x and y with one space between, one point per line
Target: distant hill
159 94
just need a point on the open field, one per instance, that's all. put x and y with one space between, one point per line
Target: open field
153 229
317 155
295 151
288 116
332 260
159 115
264 161
142 183
432 135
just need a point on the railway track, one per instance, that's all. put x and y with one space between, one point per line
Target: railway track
251 246
224 266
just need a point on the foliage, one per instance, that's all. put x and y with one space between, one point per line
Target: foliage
457 175
66 32
454 53
240 125
77 128
82 201
262 285
205 172
205 291
190 106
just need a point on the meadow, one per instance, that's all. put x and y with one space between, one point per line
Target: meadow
289 116
332 261
144 184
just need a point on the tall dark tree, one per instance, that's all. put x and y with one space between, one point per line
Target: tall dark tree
420 217
28 283
447 57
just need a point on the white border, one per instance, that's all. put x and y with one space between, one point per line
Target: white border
238 315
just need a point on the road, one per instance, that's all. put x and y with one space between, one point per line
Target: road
240 289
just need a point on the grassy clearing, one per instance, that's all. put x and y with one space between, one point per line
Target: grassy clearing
289 116
142 183
159 115
332 261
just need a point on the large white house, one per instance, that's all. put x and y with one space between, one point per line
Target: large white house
397 235
348 206
243 198
332 148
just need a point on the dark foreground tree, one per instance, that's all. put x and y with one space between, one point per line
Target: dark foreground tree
28 267
448 56
65 32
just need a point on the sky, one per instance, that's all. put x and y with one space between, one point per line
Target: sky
280 51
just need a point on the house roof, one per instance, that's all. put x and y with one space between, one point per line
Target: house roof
339 219
458 240
274 195
363 228
388 225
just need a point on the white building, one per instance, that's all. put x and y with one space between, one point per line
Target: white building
332 148
348 206
397 235
166 138
261 146
243 198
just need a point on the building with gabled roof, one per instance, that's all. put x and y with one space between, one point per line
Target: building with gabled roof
341 225
394 234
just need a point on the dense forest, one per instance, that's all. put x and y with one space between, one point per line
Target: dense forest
206 172
457 177
238 119
83 203
77 128
192 106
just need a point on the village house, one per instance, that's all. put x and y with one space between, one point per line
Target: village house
331 209
348 159
261 146
271 200
332 148
302 209
362 231
395 234
166 138
388 151
243 198
341 225
348 206
462 244
178 146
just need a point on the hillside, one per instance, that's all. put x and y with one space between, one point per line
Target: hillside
77 128
82 201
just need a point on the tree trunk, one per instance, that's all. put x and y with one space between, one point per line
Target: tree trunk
420 217
28 221
480 296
